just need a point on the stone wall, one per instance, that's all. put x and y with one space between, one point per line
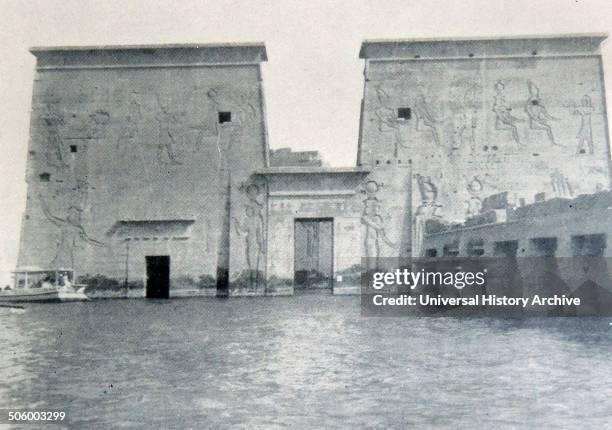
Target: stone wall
483 117
138 134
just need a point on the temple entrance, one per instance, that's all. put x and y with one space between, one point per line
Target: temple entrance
158 277
314 250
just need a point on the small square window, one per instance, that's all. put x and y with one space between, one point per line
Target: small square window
73 148
44 177
404 113
225 117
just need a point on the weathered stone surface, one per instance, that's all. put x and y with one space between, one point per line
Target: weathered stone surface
484 117
148 151
134 137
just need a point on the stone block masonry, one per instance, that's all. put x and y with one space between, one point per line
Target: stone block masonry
137 151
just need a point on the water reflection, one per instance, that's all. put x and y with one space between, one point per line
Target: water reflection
304 362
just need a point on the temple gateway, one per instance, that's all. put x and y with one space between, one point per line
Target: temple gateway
149 169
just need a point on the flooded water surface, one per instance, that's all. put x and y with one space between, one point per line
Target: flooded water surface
301 362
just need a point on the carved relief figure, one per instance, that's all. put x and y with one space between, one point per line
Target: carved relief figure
387 119
428 208
166 120
247 113
585 135
561 185
425 118
504 120
252 228
538 115
72 231
465 123
53 120
429 195
372 218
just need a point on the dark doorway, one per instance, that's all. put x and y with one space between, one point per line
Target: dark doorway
158 277
314 251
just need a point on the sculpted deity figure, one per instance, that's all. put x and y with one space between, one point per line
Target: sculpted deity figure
504 120
585 135
373 218
252 229
375 233
466 122
429 195
538 115
166 121
428 209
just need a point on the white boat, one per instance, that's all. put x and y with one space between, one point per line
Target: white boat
32 284
21 295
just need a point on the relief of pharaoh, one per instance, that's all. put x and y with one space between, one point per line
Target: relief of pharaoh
72 234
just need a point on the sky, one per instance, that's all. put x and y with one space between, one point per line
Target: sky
313 80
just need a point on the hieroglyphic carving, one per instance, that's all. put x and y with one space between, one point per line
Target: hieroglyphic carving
585 134
538 115
72 231
561 185
504 120
373 218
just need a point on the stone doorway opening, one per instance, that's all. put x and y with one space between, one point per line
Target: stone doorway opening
158 277
313 256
